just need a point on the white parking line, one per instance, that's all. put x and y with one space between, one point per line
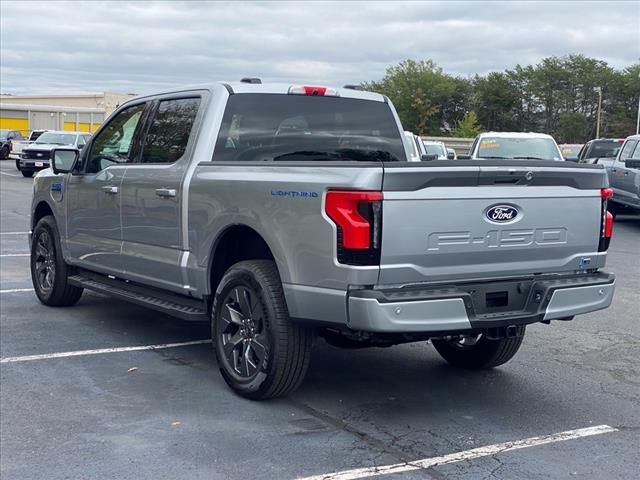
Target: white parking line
480 452
10 174
79 353
14 233
15 255
16 290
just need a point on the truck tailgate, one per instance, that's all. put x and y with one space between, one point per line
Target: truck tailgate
476 221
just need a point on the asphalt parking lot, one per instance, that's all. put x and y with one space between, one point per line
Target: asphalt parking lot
110 390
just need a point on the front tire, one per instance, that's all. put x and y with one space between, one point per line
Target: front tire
18 165
27 173
4 153
260 352
49 272
475 353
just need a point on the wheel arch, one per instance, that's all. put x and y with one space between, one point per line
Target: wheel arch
234 244
42 210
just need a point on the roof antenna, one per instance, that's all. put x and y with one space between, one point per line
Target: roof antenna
253 80
353 87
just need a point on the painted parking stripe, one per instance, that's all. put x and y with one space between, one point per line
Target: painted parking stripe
10 174
14 233
480 452
16 290
79 353
15 255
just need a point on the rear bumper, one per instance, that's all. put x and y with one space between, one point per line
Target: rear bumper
463 307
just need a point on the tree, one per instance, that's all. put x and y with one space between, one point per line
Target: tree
573 128
420 91
468 127
556 96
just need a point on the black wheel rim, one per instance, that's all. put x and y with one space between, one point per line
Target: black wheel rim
242 333
45 262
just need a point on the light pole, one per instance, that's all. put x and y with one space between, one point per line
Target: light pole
599 90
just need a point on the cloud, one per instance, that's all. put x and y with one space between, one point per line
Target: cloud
140 47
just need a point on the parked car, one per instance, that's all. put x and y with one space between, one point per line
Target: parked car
417 152
601 150
36 156
514 146
7 137
197 202
624 178
19 145
570 151
435 148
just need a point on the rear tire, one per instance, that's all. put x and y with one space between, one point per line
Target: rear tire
4 153
49 272
27 173
260 352
482 354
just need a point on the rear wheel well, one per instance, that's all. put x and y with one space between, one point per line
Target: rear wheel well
236 244
42 210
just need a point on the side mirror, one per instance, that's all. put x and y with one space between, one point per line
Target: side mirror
63 160
632 163
451 156
428 158
464 157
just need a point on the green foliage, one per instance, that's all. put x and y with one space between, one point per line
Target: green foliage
556 96
468 127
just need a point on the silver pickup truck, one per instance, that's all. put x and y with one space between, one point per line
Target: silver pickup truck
283 212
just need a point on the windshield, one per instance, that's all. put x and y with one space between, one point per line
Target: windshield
518 148
435 149
57 138
570 151
272 127
4 134
603 149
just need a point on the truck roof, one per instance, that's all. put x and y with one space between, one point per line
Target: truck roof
277 88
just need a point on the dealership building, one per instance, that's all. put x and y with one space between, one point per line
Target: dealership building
83 112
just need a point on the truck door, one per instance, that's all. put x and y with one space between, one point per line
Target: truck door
152 194
93 197
622 178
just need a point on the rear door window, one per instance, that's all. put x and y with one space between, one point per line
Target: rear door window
627 150
274 128
169 131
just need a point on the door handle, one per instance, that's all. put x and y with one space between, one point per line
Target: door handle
111 189
166 192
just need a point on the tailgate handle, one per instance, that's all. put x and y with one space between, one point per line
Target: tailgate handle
509 181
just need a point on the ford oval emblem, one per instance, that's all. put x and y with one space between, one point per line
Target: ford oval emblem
502 213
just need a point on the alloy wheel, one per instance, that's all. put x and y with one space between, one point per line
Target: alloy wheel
45 261
242 331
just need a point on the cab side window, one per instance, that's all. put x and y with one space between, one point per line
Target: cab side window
169 131
115 143
627 150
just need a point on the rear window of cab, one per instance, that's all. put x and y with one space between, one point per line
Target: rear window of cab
275 127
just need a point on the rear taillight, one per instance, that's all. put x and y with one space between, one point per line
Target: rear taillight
606 220
358 218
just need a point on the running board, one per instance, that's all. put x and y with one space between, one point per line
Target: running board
172 304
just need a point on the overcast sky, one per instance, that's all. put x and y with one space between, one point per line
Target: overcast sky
138 47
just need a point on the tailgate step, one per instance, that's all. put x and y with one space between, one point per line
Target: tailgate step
172 304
